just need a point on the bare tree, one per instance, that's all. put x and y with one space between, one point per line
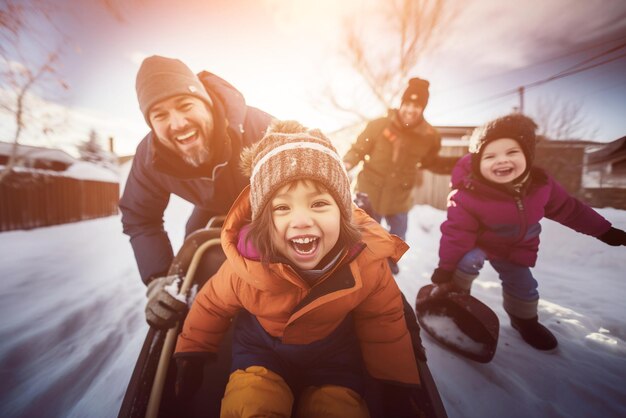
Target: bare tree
26 63
384 59
558 119
31 45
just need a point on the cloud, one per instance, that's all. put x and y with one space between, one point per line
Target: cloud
499 35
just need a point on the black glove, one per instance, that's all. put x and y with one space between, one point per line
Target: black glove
444 284
441 276
402 401
189 375
614 237
163 310
414 330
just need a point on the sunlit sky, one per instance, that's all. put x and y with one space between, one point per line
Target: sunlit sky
281 53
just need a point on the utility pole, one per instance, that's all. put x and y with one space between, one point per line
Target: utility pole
521 99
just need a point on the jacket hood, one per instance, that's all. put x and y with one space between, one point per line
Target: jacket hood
461 171
232 100
276 277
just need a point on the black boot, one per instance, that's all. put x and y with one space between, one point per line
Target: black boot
534 333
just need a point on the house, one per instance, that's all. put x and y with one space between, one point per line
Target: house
50 187
605 165
605 175
36 157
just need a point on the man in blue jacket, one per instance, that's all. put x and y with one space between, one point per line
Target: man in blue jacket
199 125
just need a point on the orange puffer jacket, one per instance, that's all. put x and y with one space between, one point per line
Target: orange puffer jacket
290 309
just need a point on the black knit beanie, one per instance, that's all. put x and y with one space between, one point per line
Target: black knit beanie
417 91
515 126
160 78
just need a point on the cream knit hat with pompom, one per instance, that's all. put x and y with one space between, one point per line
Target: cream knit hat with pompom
290 152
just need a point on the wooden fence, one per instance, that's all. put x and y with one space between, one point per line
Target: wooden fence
31 200
433 189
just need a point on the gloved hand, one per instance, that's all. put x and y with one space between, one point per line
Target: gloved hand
189 375
441 276
163 310
444 284
445 289
614 237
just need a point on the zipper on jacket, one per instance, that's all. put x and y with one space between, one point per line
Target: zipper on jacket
521 210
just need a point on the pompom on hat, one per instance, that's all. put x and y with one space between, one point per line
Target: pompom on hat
515 126
417 91
160 78
290 152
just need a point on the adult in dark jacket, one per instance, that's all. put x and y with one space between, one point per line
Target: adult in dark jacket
392 149
199 125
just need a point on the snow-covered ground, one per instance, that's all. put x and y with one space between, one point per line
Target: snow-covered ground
72 323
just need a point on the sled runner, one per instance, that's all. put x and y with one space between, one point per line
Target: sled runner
150 392
461 323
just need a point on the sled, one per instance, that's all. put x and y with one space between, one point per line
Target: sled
150 391
460 323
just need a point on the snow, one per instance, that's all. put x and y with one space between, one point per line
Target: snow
173 289
73 323
447 330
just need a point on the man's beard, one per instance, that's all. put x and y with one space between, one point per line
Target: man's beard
200 154
198 158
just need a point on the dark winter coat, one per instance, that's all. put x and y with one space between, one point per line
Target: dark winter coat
504 224
156 174
289 308
391 156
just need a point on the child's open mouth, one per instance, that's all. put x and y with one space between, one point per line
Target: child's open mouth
501 172
304 245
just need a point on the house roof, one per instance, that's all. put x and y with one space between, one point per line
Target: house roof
608 152
32 153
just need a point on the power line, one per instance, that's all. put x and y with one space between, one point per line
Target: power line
546 61
564 73
572 72
607 52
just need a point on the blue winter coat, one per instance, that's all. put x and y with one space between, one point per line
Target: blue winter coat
156 174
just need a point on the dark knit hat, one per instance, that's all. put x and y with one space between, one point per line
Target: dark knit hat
515 126
417 91
290 152
160 78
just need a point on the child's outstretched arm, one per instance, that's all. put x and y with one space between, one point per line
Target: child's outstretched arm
571 212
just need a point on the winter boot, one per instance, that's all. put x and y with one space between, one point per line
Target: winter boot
534 333
524 319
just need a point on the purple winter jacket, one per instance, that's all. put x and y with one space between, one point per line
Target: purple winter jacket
506 226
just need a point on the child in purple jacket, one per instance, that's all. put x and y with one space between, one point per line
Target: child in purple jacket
494 210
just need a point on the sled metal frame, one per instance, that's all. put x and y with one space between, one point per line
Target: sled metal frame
154 401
